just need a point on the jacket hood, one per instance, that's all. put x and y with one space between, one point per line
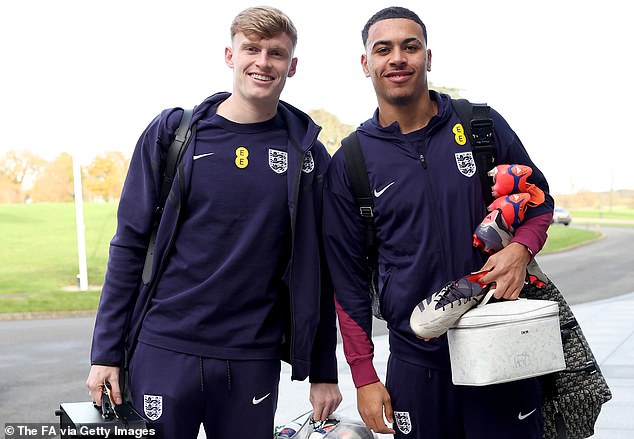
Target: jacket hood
372 127
303 131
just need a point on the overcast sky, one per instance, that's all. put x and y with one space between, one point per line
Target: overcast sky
88 76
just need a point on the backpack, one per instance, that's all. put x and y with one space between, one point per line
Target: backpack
169 166
478 128
572 398
182 136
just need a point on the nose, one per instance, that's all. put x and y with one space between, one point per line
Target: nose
264 60
398 56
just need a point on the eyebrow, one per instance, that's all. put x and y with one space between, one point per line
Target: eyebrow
389 43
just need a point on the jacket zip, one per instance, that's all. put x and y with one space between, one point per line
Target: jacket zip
298 177
436 219
421 157
290 273
432 193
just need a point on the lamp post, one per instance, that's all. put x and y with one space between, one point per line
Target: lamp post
79 219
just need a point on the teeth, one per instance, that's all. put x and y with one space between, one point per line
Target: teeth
261 77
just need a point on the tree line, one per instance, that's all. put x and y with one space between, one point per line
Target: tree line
26 177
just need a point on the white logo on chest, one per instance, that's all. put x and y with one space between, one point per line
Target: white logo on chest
466 163
309 163
278 160
378 193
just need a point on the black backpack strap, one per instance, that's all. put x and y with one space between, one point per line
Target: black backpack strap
182 135
360 184
358 174
478 125
174 155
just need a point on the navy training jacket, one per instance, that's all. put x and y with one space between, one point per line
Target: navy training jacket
310 343
427 204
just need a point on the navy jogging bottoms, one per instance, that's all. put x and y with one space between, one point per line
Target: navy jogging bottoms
427 405
177 393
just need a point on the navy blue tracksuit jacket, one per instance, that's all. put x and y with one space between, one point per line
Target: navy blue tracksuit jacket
427 204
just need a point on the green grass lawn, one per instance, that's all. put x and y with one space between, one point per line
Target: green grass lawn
38 258
561 237
39 255
616 213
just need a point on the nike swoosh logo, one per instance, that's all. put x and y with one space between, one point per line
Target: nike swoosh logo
200 156
379 193
521 417
259 400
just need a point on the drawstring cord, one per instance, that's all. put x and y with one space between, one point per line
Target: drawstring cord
228 376
202 375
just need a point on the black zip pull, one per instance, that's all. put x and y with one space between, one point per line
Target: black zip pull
421 157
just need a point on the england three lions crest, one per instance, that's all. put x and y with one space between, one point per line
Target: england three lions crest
466 163
309 163
152 406
403 422
278 160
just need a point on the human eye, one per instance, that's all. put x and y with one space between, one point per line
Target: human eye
382 50
278 54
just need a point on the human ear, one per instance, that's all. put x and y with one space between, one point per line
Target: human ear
364 65
293 68
229 56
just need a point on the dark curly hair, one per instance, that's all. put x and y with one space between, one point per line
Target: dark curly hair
392 12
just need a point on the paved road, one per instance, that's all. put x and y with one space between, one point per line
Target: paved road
42 363
596 271
45 362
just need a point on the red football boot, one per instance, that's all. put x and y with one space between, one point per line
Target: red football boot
513 208
512 179
492 234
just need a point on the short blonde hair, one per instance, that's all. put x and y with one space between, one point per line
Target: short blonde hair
265 22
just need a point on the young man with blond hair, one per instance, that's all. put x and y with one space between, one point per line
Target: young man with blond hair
244 284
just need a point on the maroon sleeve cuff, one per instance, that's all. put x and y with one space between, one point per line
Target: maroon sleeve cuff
532 233
357 348
363 373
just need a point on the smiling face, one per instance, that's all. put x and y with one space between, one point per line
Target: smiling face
260 66
397 60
